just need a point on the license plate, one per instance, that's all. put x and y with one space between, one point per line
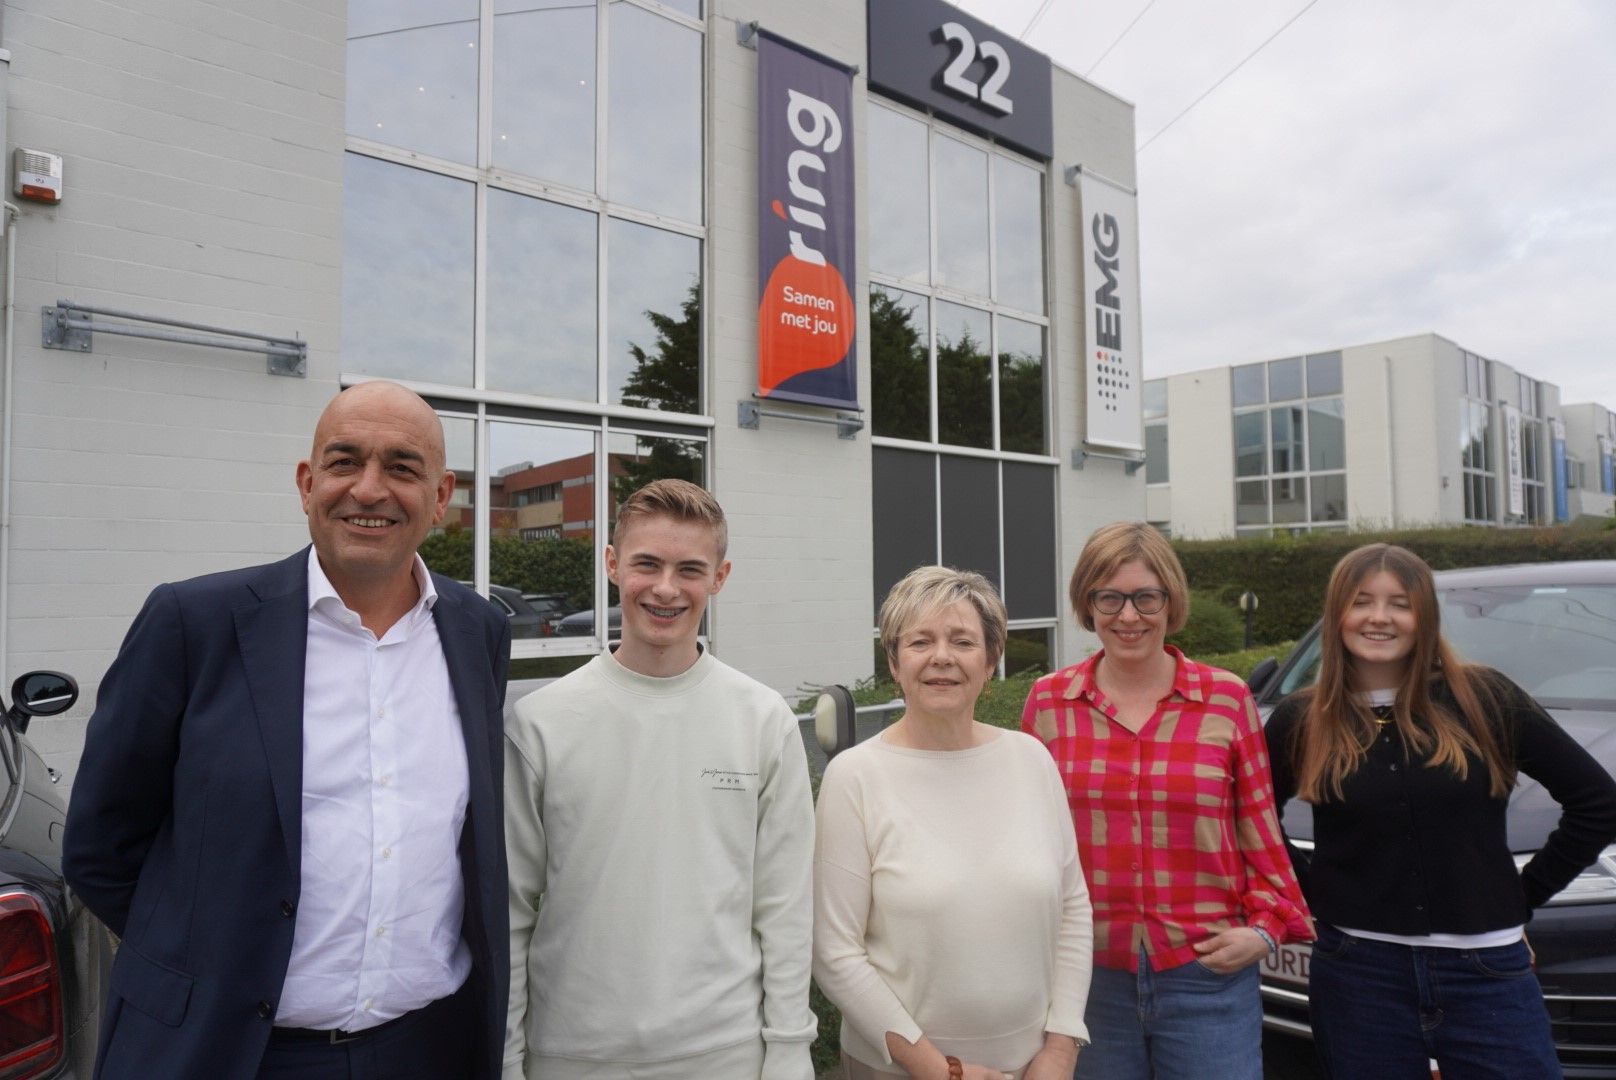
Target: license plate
1289 965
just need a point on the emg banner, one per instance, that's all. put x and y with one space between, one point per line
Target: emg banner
806 312
1111 314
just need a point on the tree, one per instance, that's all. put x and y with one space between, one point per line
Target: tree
900 398
667 378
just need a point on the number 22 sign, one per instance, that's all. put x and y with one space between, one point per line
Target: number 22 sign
967 49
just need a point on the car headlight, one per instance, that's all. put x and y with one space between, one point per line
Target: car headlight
1595 885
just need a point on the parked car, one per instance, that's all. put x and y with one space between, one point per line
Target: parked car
55 957
551 609
526 620
582 623
1551 627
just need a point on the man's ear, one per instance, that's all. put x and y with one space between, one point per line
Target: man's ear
305 482
720 576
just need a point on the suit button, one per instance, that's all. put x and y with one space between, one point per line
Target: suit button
266 1010
287 908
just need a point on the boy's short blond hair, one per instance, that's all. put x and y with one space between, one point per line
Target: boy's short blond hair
925 589
677 499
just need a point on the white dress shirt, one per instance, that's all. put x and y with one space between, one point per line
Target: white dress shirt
378 929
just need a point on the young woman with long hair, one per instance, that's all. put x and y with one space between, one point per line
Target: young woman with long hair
1408 756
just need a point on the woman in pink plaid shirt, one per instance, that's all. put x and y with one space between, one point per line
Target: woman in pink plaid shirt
1167 775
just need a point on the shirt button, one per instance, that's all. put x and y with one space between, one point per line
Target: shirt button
386 778
387 853
381 931
1136 866
380 713
368 1003
1394 768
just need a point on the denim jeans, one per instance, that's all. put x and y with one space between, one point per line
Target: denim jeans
1380 1011
1184 1023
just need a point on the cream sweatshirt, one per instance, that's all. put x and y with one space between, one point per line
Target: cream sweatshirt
949 901
660 837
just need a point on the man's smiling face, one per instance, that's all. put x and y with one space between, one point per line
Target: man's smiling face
665 571
374 484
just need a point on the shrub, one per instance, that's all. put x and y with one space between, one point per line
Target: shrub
1288 573
1213 627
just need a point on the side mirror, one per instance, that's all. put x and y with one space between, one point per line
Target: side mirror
1261 674
833 720
40 693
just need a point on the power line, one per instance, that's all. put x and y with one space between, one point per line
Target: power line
1032 22
1120 36
1207 93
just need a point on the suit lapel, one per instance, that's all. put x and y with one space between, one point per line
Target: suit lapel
468 663
274 638
466 654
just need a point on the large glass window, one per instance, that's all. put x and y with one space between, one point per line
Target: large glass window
1476 461
532 267
407 270
412 75
1289 445
959 361
1154 408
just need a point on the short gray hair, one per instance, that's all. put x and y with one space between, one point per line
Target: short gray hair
925 589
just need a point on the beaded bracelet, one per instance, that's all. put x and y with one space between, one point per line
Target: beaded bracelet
1268 939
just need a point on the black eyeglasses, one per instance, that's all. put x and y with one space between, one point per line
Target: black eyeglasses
1145 601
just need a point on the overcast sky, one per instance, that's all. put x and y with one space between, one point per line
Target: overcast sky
1382 168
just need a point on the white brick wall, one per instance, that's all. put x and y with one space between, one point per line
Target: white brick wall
1095 129
797 609
202 148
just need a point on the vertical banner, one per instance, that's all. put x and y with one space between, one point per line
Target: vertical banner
806 312
1562 477
1607 467
1516 501
1111 315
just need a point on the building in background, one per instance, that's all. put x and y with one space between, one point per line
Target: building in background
1405 433
548 220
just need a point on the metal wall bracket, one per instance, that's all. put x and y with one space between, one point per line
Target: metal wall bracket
70 326
1130 464
749 415
746 34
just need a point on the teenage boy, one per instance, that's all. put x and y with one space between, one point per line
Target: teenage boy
660 839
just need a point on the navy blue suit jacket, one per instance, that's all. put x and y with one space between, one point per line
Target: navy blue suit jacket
184 828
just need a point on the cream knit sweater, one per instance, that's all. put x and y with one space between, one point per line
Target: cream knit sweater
660 839
949 901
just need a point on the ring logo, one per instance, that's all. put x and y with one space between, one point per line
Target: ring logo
806 313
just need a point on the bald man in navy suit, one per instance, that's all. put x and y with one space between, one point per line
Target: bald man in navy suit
289 803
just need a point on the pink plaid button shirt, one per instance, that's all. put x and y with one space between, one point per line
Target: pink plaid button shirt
1176 823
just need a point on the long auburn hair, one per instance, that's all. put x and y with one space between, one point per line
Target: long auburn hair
1338 728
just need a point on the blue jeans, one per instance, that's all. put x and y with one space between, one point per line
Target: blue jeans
1380 1011
1185 1023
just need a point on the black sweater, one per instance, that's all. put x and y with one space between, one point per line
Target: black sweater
1413 850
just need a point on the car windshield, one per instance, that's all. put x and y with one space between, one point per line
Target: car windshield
1556 642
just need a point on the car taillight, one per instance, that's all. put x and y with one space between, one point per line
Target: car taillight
31 1042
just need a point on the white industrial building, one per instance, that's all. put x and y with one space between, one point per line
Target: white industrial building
1405 433
548 220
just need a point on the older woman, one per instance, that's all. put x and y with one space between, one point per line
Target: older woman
1167 775
951 919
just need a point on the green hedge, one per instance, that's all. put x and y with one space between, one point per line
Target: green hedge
538 566
1288 573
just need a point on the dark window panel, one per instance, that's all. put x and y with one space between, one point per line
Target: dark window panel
1031 585
970 518
904 485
